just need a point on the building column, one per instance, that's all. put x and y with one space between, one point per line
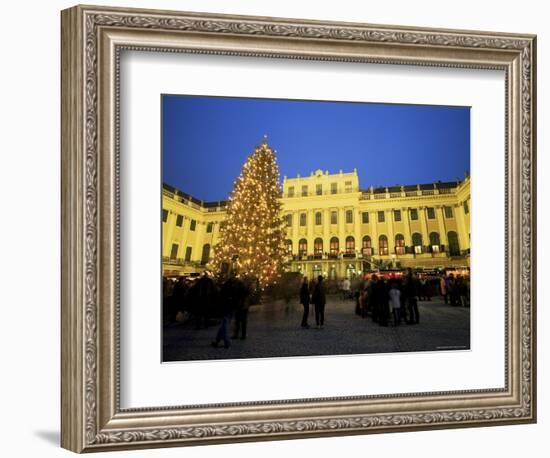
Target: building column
463 237
309 230
326 230
424 225
407 223
374 233
440 214
391 234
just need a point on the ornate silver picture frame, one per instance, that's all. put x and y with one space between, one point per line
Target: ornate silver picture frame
93 39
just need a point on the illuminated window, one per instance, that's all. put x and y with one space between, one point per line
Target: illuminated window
367 246
350 245
334 246
399 244
318 247
417 242
383 245
434 242
288 245
302 247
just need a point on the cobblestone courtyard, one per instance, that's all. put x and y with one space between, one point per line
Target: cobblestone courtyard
274 331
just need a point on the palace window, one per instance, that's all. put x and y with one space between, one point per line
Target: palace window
399 244
397 215
303 219
334 246
381 217
466 207
349 216
302 247
319 189
318 247
193 225
414 214
417 242
209 227
318 219
333 188
164 215
383 245
454 247
350 245
304 190
291 191
365 216
434 242
205 254
333 217
289 219
430 211
188 251
179 220
367 246
348 186
174 251
288 245
448 211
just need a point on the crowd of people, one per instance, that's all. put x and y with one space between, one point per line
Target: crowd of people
387 300
205 301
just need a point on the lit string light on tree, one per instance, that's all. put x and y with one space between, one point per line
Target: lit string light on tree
252 237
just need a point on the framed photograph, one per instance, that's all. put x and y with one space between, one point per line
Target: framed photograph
278 228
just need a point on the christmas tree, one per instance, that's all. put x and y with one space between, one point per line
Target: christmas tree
252 236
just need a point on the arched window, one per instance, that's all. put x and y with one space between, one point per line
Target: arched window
318 219
399 244
383 245
434 242
454 247
417 242
288 244
334 247
302 247
318 247
350 245
205 254
367 246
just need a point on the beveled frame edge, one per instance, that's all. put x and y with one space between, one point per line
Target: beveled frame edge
91 417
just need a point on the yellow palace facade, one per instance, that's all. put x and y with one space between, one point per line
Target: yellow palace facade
334 228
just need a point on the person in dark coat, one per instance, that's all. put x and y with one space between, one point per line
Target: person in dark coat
304 300
410 288
319 299
381 302
241 308
231 295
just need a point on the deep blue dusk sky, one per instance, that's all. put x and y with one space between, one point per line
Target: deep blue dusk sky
205 141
